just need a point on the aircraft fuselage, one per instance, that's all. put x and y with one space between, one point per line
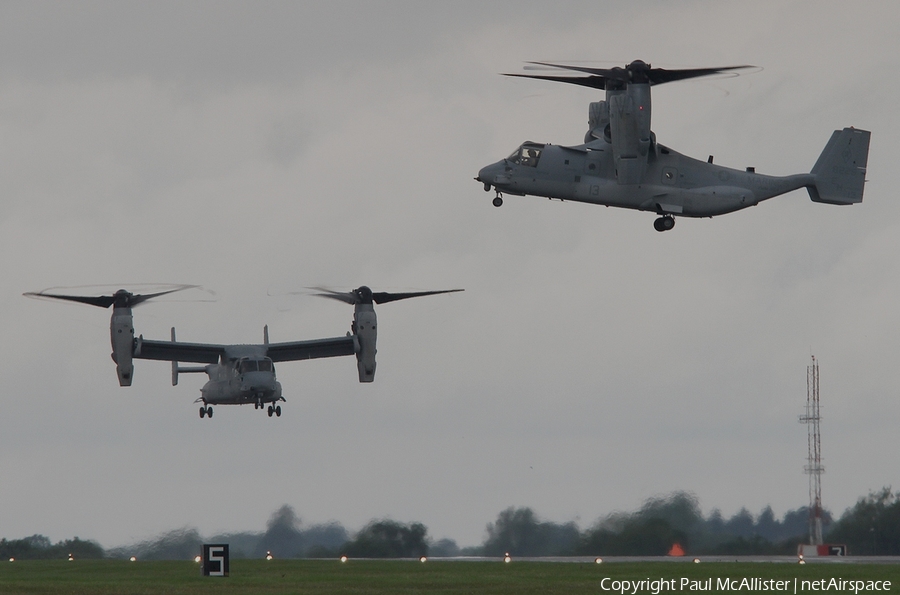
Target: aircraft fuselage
671 183
244 381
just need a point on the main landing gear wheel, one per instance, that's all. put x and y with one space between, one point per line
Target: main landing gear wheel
664 223
276 410
205 411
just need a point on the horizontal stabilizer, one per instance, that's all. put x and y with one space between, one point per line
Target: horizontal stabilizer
176 370
840 172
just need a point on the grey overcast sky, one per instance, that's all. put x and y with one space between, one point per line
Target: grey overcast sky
260 148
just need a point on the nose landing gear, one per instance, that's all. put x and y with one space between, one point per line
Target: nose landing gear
664 223
206 411
276 410
498 200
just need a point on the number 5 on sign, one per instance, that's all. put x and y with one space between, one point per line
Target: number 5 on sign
215 559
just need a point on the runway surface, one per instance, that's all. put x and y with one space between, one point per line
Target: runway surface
689 559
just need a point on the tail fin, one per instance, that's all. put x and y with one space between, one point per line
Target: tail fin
840 172
176 369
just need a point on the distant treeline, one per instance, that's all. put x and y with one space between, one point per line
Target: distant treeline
38 547
650 531
871 526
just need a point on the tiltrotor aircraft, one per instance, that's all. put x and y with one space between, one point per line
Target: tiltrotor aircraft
239 374
620 163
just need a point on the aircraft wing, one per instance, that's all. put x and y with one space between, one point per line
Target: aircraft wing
297 350
173 351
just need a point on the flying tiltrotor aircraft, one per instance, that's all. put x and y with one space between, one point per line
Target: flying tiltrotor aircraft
239 374
620 163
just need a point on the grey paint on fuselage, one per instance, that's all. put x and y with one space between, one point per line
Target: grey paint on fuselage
242 374
245 376
674 183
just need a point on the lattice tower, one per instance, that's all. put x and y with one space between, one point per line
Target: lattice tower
814 467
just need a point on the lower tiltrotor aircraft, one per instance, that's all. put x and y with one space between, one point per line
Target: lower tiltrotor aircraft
239 374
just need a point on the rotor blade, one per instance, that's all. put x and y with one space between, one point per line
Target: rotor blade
594 82
121 298
137 299
612 73
384 297
600 77
348 297
661 75
362 295
101 301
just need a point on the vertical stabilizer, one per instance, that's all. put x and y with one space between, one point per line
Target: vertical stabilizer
840 172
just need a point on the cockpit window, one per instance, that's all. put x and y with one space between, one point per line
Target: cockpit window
255 365
527 155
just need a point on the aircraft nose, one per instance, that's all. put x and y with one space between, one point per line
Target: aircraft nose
489 173
486 174
258 382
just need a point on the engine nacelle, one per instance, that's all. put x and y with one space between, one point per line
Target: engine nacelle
365 327
121 332
598 122
629 114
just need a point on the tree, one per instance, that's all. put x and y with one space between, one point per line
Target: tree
79 549
39 547
180 544
871 526
519 532
389 539
741 524
283 535
796 522
28 548
634 537
766 524
680 509
324 537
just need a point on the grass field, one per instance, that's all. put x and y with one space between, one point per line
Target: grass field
102 577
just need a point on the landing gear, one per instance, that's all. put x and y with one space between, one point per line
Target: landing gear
276 410
664 223
206 411
498 200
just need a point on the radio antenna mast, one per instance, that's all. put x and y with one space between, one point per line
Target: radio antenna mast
814 467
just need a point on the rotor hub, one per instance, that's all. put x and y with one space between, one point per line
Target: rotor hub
122 299
364 295
638 72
